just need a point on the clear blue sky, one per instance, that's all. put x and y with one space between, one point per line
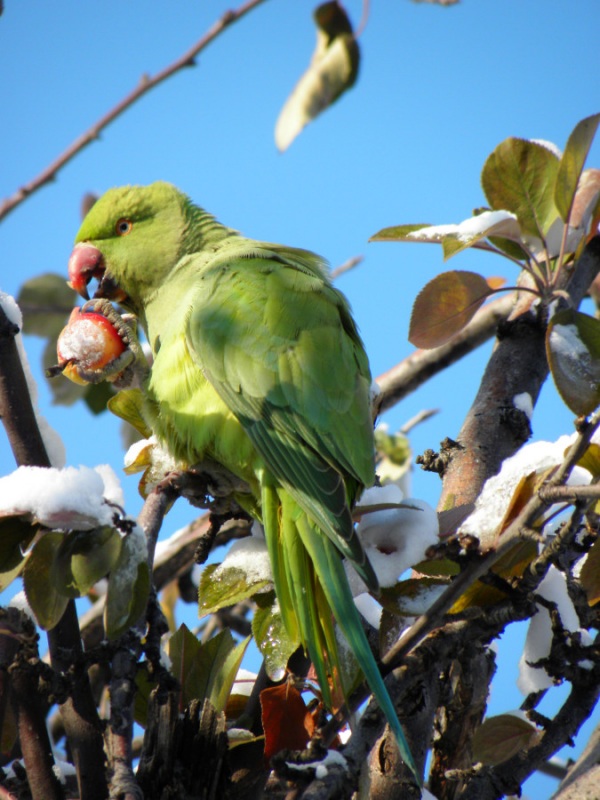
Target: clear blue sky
438 89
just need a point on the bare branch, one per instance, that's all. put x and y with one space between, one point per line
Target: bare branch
494 428
145 85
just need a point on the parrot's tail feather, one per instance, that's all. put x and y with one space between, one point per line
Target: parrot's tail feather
312 587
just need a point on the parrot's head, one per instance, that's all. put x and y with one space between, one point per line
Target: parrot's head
129 242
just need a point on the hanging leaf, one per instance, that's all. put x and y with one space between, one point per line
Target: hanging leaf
571 164
573 350
286 721
520 176
16 533
83 558
128 586
128 406
445 305
271 636
47 604
332 70
46 301
503 736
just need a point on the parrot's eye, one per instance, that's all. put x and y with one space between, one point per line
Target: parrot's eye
123 226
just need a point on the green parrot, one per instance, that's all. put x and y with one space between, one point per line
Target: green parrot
257 365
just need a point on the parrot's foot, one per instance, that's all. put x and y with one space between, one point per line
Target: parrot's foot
130 369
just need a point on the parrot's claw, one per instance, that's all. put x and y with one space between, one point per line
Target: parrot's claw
129 368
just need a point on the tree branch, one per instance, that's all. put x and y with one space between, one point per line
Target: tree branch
145 85
494 428
79 712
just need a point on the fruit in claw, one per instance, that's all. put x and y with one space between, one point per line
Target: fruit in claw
87 344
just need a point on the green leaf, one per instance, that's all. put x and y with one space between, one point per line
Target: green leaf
571 164
332 71
84 558
46 301
206 671
47 604
573 350
271 636
128 587
215 668
144 685
97 396
222 586
590 460
520 176
472 232
401 233
393 455
16 533
503 736
445 305
183 648
128 405
590 574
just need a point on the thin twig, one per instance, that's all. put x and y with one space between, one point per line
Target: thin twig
346 267
145 85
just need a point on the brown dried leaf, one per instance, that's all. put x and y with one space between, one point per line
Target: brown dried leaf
445 305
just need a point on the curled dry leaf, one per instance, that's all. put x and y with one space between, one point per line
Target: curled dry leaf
332 70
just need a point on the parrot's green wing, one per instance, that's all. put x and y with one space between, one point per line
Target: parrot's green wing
279 345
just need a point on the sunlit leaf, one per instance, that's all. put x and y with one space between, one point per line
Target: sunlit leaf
503 736
128 405
499 225
332 70
573 350
590 574
520 176
222 586
401 233
128 588
590 460
286 721
511 564
271 636
45 602
571 163
445 305
393 455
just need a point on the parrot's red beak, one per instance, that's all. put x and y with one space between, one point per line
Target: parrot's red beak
87 262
